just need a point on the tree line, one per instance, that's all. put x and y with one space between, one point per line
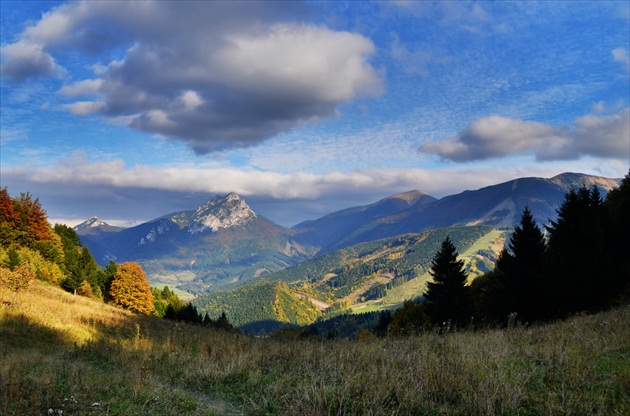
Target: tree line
578 263
30 248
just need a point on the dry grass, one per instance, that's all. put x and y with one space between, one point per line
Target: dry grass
61 352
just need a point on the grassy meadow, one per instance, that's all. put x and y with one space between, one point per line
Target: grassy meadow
65 354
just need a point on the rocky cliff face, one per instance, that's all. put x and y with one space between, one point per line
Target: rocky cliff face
221 212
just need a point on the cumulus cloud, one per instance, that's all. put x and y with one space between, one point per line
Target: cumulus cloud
496 136
22 60
216 75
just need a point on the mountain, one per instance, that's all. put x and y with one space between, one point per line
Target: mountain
498 205
224 243
220 242
95 225
326 232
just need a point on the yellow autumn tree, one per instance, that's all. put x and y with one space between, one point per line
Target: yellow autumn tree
131 290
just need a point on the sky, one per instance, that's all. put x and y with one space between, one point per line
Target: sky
133 110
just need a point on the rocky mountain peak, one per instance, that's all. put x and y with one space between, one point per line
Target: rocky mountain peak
92 222
221 212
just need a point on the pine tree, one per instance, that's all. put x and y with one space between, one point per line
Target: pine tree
519 268
71 247
89 272
223 323
105 278
131 290
447 297
576 269
618 241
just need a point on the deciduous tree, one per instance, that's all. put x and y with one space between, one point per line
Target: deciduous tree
131 290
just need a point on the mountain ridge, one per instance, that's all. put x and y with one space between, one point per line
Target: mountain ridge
223 241
498 205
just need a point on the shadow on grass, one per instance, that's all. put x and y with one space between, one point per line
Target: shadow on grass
18 331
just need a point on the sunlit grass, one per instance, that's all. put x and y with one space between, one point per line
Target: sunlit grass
68 353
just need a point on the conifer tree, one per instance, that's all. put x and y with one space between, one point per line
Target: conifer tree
519 268
223 323
618 241
89 272
105 278
72 257
576 269
447 297
131 290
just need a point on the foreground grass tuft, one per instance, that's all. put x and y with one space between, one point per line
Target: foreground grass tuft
62 353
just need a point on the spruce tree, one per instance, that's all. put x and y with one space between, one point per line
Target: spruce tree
519 268
89 272
576 269
618 241
447 297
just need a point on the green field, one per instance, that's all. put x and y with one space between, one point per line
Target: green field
395 297
182 294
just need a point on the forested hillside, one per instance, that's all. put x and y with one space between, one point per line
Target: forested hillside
334 282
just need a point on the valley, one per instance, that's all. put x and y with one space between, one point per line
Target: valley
360 259
320 328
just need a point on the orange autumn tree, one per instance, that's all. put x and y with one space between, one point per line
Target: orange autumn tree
131 290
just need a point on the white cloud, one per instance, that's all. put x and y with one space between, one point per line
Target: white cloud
191 100
496 136
81 108
85 87
23 59
216 75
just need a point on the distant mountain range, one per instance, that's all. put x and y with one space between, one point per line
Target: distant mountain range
224 242
498 205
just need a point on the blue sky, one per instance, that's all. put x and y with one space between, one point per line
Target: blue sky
131 110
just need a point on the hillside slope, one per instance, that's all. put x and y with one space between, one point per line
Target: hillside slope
336 282
63 353
326 232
